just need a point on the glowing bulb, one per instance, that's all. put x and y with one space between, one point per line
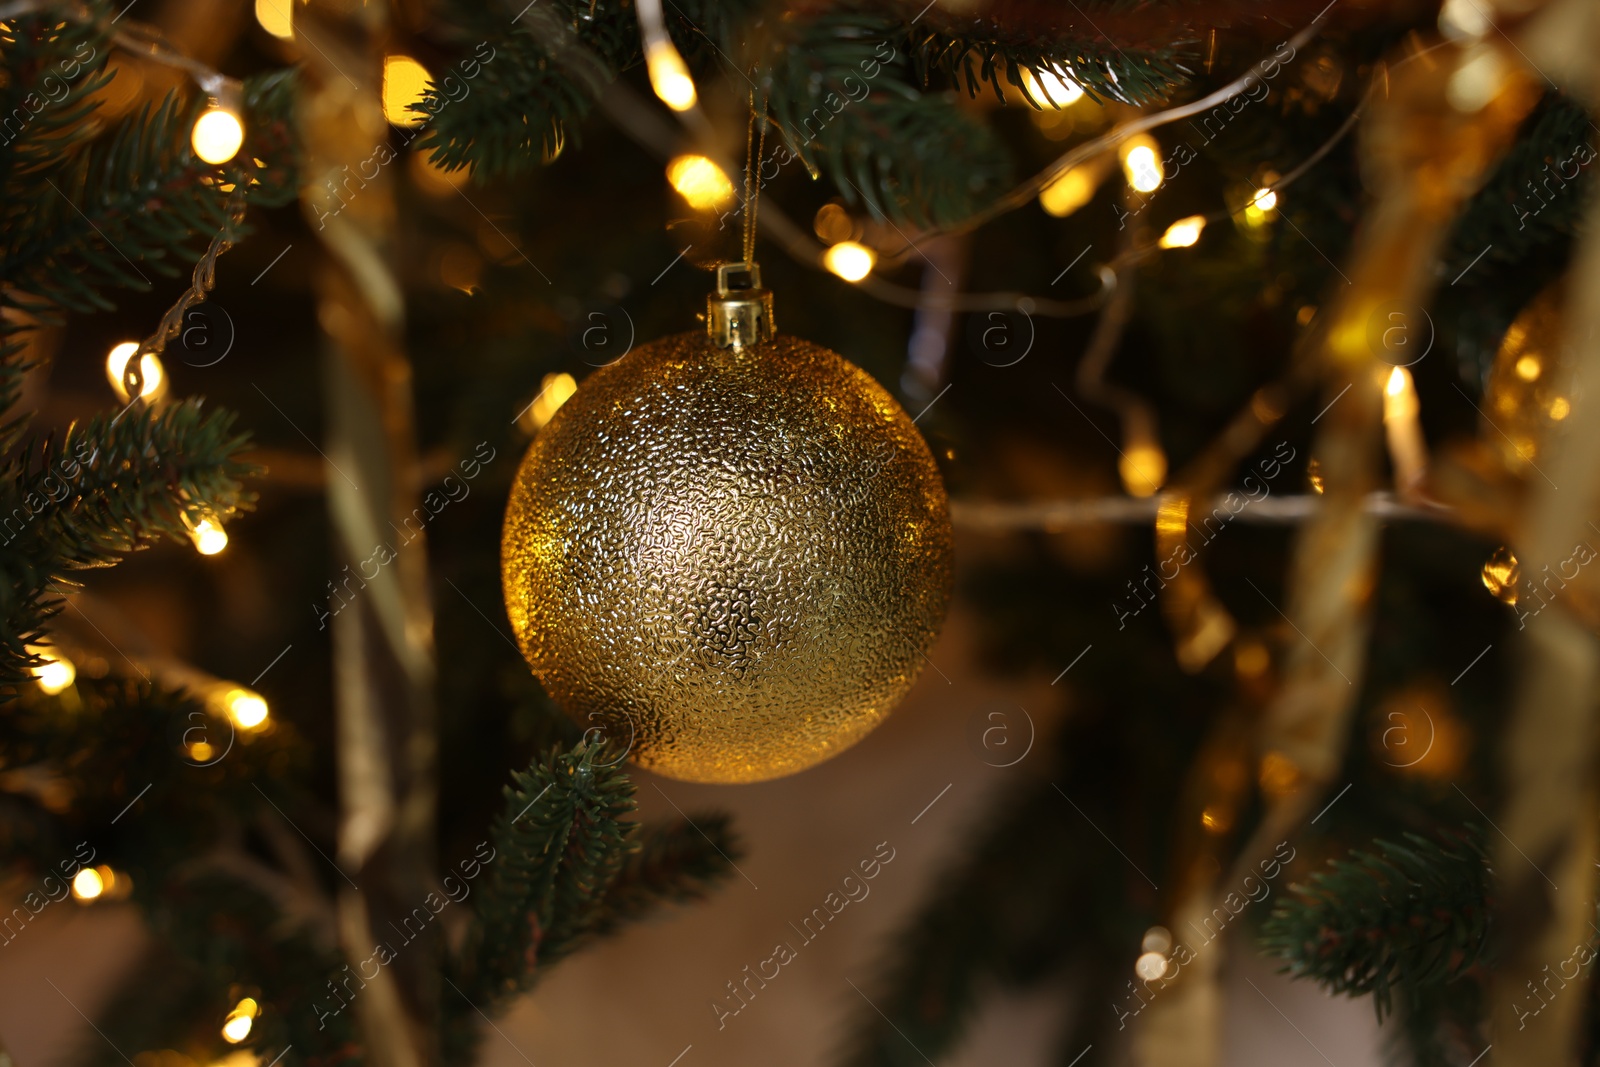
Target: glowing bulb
1143 468
245 708
405 82
209 537
1407 450
1560 408
117 364
276 17
1183 233
55 673
1477 80
700 181
668 76
1052 88
1069 192
1501 574
217 135
554 390
1251 658
849 260
88 884
239 1021
1150 966
1463 20
1263 202
1141 165
200 752
1528 368
1156 939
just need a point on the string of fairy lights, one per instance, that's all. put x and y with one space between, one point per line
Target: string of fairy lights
704 185
216 138
1061 108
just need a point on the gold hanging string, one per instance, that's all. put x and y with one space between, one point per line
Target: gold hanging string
754 148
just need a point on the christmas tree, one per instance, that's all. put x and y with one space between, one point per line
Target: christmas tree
1274 320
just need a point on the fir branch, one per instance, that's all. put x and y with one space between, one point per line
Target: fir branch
1101 69
568 867
220 939
100 743
559 845
137 196
104 745
53 69
522 103
110 487
1407 917
272 157
840 86
844 96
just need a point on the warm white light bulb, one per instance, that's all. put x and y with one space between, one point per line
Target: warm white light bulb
1262 206
247 709
668 76
237 1026
1150 966
1143 168
209 537
55 673
88 884
849 260
1069 192
1184 232
1143 468
276 17
117 364
1051 88
218 135
405 82
554 390
700 181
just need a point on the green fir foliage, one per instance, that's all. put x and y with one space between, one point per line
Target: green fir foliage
560 843
569 865
1401 918
89 207
845 101
110 486
857 95
1104 73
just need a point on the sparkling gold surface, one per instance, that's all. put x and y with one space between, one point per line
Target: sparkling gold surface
736 558
1528 389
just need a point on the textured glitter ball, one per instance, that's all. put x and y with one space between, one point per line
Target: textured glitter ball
732 561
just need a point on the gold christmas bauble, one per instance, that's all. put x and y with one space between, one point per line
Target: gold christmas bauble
730 553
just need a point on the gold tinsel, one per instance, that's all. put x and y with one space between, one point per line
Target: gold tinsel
733 561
